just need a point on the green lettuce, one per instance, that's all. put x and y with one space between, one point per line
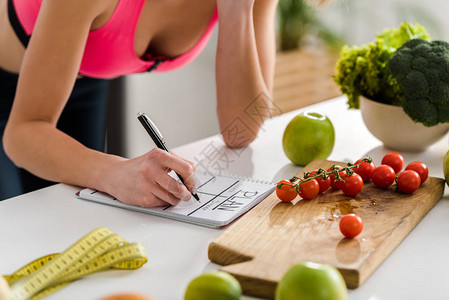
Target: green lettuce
363 70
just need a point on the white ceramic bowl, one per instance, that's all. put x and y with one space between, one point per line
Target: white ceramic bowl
393 127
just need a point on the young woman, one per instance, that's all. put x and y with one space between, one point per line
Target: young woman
50 82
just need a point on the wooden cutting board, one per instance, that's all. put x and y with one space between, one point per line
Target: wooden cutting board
263 244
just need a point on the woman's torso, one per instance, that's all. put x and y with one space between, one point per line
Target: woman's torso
163 28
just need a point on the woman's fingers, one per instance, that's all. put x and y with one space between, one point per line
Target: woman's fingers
181 166
186 160
147 182
193 181
173 187
163 195
153 201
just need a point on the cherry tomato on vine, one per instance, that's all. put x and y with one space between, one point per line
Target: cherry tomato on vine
419 168
309 189
365 170
383 176
351 225
285 193
409 181
353 185
337 184
324 183
394 160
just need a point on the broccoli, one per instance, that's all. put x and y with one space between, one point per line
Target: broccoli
421 69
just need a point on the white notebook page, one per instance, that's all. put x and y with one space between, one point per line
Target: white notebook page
223 199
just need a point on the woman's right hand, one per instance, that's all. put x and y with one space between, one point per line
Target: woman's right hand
145 180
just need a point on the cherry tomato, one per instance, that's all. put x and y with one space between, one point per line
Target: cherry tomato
409 181
394 160
351 225
337 184
353 185
309 189
324 183
420 168
365 170
383 176
285 193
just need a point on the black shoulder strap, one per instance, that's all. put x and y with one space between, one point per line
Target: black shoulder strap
15 23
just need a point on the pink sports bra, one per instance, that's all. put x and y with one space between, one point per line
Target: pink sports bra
109 50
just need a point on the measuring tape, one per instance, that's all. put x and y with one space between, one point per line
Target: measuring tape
99 250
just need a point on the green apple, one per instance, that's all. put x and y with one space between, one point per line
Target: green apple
311 281
446 167
214 285
308 136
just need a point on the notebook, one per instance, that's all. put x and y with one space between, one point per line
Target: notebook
223 199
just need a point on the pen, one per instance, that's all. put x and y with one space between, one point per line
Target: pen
158 139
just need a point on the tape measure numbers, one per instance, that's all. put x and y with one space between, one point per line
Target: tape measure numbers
99 250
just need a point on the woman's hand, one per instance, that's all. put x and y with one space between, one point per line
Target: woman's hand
144 181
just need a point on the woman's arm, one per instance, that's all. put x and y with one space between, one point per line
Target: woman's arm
244 67
264 28
32 141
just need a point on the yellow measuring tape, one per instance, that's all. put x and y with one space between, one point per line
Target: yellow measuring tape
98 250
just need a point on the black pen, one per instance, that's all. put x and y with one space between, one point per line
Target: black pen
158 139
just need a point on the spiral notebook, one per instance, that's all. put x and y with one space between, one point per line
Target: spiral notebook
223 199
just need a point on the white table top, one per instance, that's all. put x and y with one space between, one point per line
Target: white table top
51 219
